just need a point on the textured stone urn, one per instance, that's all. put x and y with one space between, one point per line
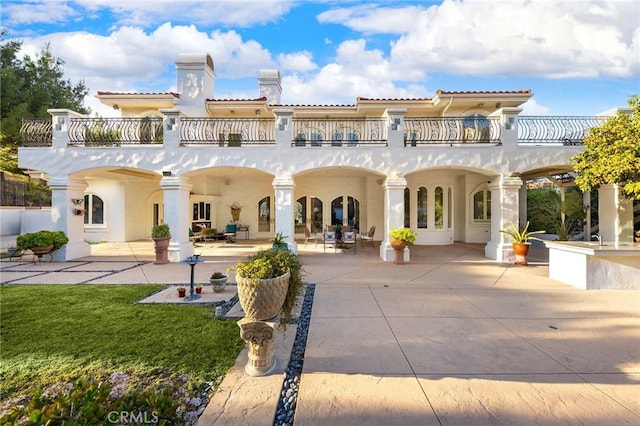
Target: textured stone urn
262 299
161 247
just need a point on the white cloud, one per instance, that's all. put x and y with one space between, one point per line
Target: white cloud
371 19
532 107
299 61
27 12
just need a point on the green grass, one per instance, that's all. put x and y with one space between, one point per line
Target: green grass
50 333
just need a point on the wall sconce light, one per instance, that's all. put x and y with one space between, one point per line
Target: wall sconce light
77 201
116 106
257 112
166 173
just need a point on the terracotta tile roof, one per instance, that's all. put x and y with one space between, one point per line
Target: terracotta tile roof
484 92
360 98
238 100
175 95
316 105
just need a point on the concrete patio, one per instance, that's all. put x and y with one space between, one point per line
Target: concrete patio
451 338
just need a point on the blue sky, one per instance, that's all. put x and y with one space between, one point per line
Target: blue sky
578 57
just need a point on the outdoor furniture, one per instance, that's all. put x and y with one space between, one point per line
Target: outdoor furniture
230 233
368 236
329 238
195 236
308 236
349 239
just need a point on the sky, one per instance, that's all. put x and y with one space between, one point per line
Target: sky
577 57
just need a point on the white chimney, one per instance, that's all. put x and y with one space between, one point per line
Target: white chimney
195 82
269 81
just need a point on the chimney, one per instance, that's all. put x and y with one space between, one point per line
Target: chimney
195 82
269 82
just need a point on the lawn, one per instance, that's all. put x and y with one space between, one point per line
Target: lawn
53 333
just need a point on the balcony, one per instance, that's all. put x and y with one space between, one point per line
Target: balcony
325 132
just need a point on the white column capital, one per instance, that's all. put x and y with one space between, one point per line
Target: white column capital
395 183
284 182
175 183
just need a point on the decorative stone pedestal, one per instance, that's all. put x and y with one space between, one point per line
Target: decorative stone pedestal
260 336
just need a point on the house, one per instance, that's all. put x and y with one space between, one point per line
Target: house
450 167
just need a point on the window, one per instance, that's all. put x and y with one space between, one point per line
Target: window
439 208
310 135
336 211
475 128
316 214
407 214
422 207
264 215
300 214
449 221
482 205
353 213
201 211
231 139
94 210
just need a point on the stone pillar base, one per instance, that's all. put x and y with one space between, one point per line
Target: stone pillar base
260 337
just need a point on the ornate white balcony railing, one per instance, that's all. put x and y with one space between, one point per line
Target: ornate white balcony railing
36 132
339 132
231 132
115 131
565 130
473 129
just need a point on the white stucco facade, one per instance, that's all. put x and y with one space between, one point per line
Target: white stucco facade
290 175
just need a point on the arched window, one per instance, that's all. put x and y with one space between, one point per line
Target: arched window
337 213
316 214
476 128
407 214
449 221
482 205
300 214
439 208
353 213
422 207
94 210
264 215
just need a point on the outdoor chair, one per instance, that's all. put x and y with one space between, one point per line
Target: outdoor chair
329 238
230 233
368 236
308 237
349 239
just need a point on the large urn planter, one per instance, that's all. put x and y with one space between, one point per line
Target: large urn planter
161 236
40 250
262 299
521 250
161 247
398 247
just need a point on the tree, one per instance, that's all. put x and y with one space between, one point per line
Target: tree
28 87
612 153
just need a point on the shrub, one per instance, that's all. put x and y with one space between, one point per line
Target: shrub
404 234
161 231
42 239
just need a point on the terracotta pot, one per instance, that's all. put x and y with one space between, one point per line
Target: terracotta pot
521 250
262 299
398 244
182 293
161 246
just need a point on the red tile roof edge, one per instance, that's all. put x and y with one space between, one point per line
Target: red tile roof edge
100 93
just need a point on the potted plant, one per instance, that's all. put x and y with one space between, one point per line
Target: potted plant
161 235
521 241
198 289
218 281
400 239
279 242
42 242
269 283
338 229
182 291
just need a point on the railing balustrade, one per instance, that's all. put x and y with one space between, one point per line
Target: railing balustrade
565 130
36 132
232 132
473 129
106 132
339 132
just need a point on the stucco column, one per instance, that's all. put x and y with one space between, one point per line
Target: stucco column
393 216
395 126
284 127
60 119
175 192
284 206
63 190
505 208
171 130
508 127
615 215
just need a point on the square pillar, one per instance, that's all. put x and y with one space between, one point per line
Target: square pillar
284 206
505 208
284 127
393 216
63 191
615 215
175 192
395 126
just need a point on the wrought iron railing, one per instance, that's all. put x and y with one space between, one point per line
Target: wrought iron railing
565 130
231 132
339 132
36 132
115 131
473 129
